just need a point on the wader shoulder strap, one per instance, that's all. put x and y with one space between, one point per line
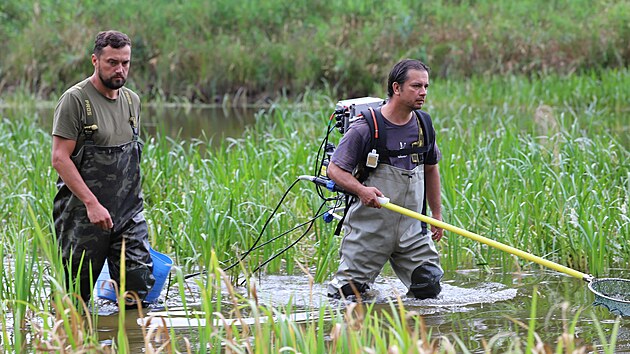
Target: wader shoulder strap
133 120
89 127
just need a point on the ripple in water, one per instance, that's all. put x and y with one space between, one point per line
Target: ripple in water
295 290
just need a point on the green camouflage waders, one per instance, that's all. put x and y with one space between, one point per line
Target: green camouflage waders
113 174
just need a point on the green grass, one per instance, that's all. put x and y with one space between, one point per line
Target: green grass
545 170
202 51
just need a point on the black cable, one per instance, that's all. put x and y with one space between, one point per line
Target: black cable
264 227
287 232
320 159
311 222
244 255
338 201
337 198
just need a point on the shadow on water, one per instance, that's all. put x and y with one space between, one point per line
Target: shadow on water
473 306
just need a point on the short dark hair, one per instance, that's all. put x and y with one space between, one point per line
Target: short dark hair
110 38
399 72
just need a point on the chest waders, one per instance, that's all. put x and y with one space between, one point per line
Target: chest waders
374 236
113 175
378 135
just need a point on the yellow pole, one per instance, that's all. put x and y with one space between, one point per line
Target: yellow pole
503 247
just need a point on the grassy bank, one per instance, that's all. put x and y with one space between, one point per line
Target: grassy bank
245 51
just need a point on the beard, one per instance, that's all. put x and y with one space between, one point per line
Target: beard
113 83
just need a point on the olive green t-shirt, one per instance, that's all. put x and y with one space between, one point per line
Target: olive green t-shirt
110 116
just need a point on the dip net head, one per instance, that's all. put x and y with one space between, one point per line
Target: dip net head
612 293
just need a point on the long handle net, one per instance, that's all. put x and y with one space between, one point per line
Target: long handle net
612 293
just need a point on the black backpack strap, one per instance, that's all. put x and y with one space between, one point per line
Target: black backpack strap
429 141
426 137
347 202
427 127
378 133
378 141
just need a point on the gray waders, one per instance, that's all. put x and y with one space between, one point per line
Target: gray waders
374 236
113 174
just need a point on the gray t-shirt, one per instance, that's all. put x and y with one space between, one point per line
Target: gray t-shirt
110 116
356 142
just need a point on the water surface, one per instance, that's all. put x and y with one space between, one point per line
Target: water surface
473 306
179 122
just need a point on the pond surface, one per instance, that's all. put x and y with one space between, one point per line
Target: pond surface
177 122
473 306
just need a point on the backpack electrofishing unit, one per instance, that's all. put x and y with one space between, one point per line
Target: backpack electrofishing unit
348 111
334 207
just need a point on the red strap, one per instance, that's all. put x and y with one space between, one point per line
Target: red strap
375 125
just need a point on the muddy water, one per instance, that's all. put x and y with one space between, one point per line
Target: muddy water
473 306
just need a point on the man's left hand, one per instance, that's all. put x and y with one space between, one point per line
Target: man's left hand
437 233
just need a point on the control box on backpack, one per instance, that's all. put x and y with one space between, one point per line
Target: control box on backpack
347 111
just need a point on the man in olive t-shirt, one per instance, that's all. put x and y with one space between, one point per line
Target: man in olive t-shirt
96 151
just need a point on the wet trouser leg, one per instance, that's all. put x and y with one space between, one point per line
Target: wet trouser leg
84 249
417 264
88 247
81 270
425 281
138 263
362 258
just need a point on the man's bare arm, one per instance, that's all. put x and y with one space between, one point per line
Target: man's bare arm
367 195
61 151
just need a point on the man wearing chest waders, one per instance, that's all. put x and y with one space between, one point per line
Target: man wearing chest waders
96 151
402 167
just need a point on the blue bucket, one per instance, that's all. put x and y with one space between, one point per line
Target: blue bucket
161 268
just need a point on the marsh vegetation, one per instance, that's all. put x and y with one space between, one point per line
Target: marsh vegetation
531 104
